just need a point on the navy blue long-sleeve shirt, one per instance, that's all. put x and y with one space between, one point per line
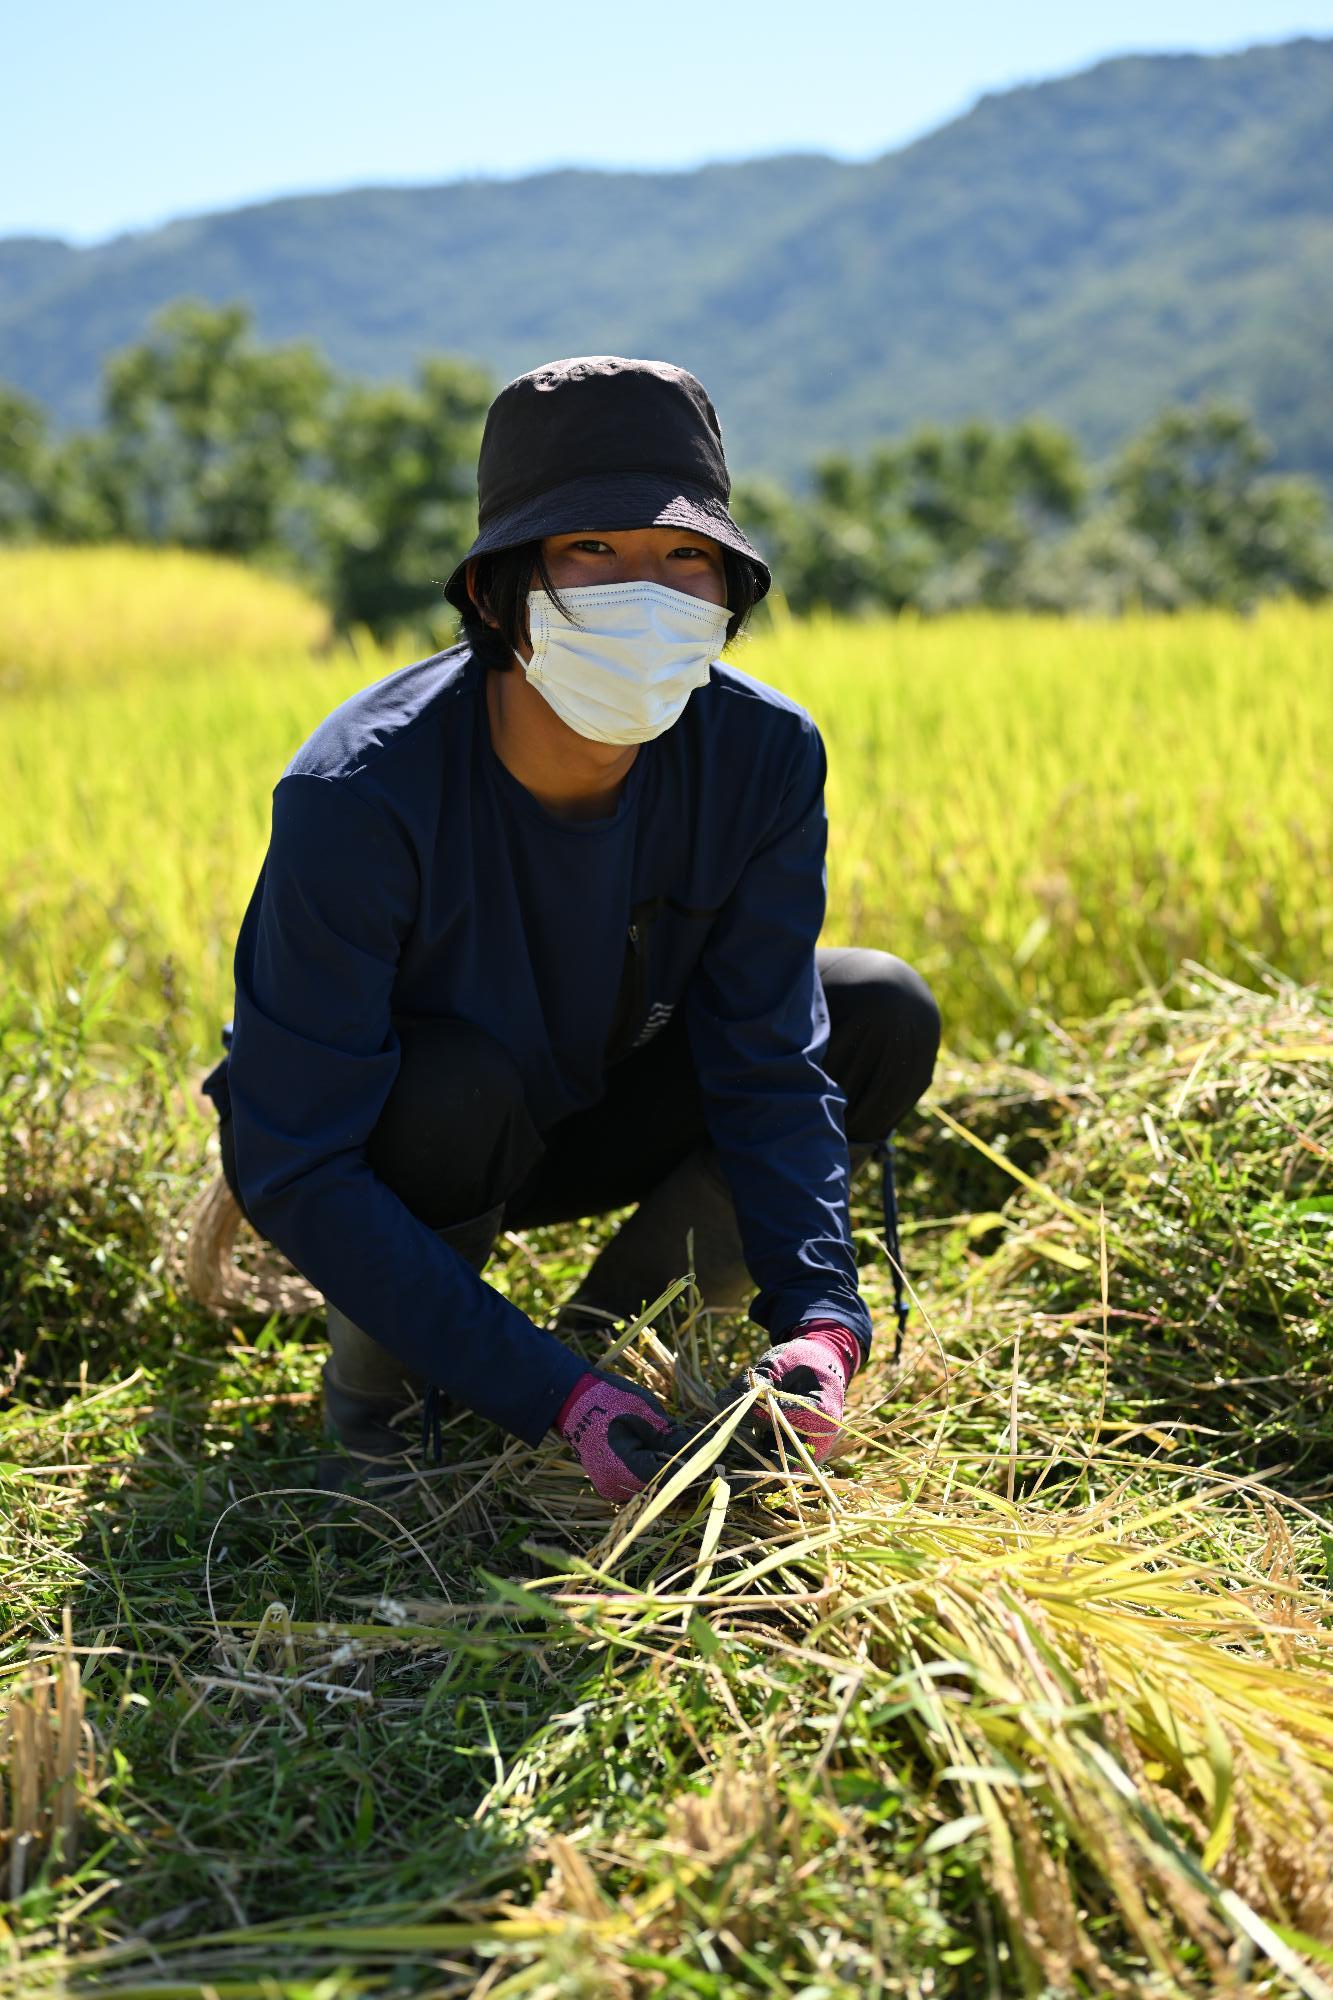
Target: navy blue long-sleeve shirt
408 870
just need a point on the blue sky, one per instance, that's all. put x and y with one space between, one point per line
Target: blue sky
122 117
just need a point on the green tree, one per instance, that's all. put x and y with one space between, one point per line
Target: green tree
1194 485
938 519
985 498
211 441
1101 566
394 506
23 460
83 496
206 434
836 548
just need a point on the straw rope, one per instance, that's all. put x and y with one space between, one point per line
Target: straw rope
227 1266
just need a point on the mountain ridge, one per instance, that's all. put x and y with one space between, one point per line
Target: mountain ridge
1150 229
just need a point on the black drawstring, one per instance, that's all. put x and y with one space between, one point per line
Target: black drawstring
884 1154
430 1422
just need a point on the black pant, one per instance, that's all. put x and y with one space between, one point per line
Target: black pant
455 1137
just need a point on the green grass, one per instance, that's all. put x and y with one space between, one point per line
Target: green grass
893 1754
1032 1694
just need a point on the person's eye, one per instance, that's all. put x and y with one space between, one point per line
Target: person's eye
591 543
696 554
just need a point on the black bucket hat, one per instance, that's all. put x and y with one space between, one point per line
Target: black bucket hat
599 441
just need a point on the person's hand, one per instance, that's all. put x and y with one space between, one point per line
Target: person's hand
622 1436
816 1363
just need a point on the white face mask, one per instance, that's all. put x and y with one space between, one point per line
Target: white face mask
624 672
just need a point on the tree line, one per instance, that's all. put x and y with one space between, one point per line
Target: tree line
366 491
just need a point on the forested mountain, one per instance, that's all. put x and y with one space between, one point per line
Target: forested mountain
1153 229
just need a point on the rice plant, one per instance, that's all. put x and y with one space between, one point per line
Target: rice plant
1036 812
1028 1691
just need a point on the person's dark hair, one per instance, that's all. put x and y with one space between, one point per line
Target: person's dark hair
505 577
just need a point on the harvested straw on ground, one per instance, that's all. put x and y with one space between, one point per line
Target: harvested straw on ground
1029 1690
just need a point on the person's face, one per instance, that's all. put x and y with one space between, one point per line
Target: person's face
677 557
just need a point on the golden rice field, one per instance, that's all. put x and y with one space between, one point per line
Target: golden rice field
1026 1691
1035 812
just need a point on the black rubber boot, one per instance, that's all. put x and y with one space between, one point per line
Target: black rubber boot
367 1392
649 1250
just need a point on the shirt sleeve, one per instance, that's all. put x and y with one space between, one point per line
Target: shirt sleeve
313 1057
758 1028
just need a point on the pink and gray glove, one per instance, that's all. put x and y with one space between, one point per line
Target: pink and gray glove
816 1363
620 1434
